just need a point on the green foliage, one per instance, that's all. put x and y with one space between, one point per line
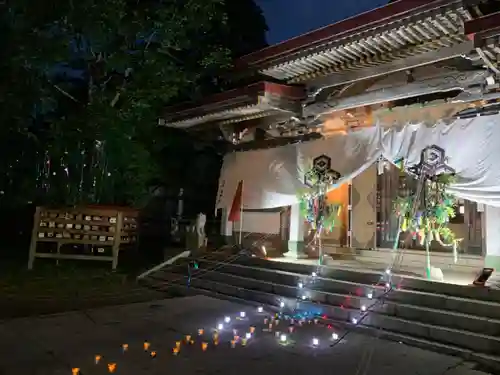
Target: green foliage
83 85
313 203
433 213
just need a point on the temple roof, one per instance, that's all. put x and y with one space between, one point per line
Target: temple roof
406 37
398 30
257 100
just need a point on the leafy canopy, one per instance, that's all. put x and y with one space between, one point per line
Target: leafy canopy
84 83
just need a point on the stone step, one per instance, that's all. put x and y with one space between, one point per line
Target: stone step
444 314
372 277
431 294
471 346
432 300
427 323
451 319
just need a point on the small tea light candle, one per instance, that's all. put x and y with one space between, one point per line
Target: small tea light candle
97 359
204 346
146 345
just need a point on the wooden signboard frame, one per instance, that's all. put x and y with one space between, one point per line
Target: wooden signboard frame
92 226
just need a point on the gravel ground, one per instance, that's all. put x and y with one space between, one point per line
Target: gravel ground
55 344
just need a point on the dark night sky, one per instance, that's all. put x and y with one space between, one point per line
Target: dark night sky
289 18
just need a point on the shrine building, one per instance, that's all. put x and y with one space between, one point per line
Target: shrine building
364 93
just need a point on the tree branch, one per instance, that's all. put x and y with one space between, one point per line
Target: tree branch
65 93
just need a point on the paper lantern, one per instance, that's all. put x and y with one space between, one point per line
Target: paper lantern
146 345
111 367
200 332
204 346
178 345
175 350
75 371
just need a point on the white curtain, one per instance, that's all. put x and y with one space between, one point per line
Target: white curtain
271 178
471 148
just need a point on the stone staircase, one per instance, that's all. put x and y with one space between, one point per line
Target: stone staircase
459 320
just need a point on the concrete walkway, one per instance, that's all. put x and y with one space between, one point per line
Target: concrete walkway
55 344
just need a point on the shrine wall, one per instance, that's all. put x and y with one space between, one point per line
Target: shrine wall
259 222
261 229
364 209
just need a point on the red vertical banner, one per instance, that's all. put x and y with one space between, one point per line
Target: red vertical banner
235 213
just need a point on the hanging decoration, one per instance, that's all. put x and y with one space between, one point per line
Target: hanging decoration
314 206
321 216
426 212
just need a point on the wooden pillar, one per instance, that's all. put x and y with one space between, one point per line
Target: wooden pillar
364 209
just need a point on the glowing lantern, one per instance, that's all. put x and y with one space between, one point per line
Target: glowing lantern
175 350
75 371
188 338
125 347
204 346
178 345
233 344
111 367
97 359
200 332
153 354
290 329
252 329
146 345
243 342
